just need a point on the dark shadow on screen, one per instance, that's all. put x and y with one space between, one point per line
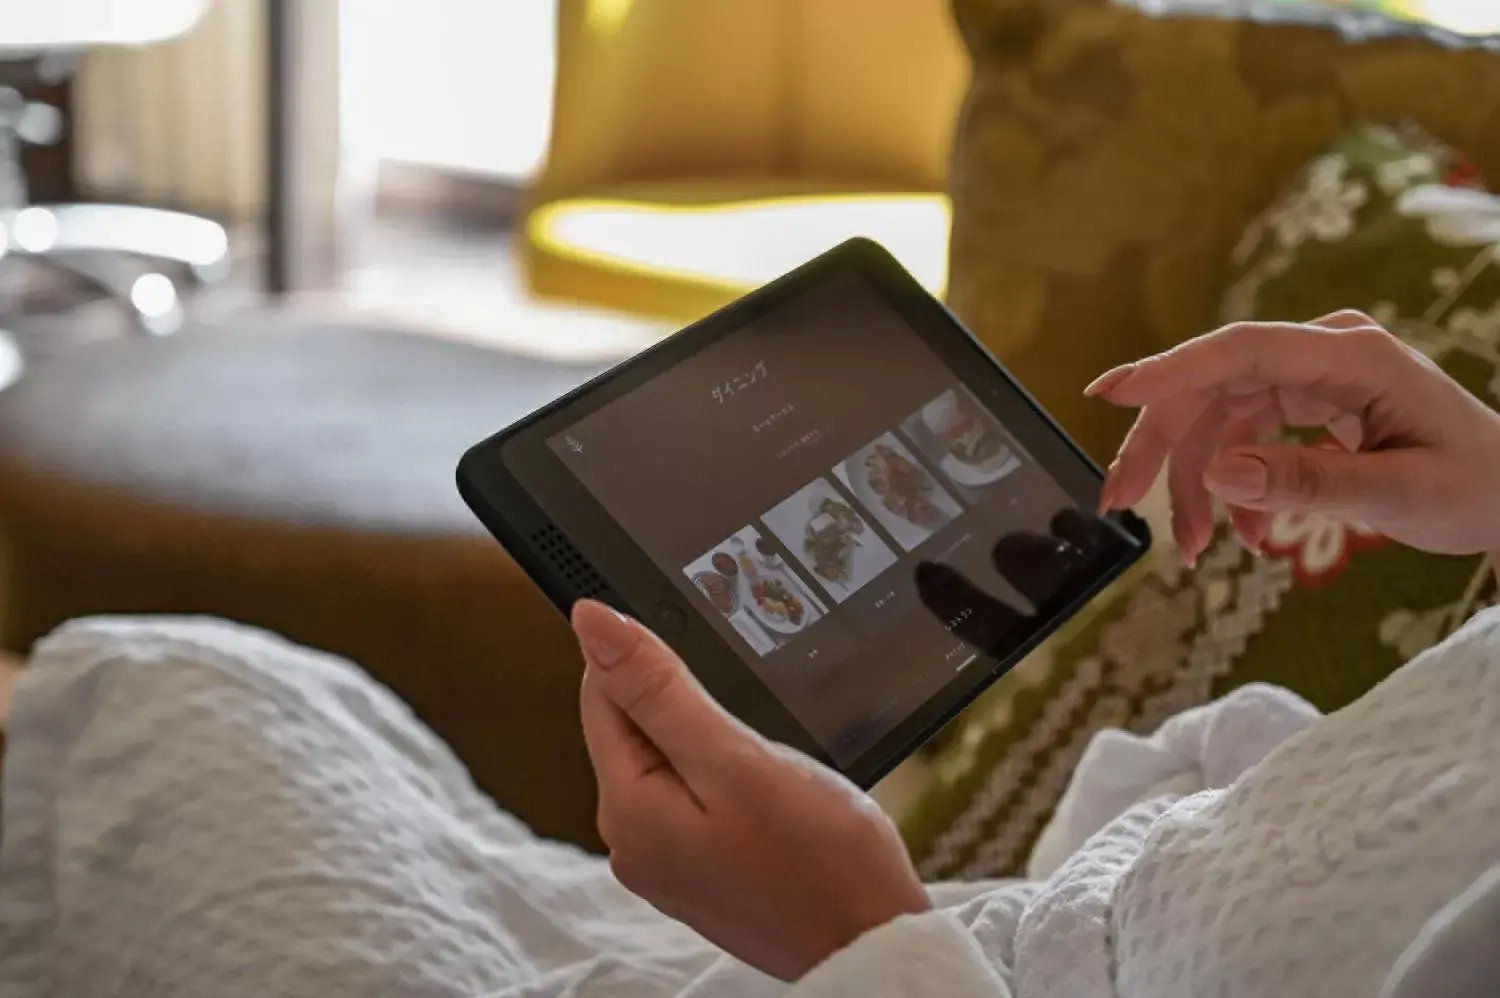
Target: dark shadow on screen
1048 569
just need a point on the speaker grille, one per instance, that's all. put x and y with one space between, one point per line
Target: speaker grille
568 563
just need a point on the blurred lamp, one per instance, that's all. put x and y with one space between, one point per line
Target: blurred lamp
702 147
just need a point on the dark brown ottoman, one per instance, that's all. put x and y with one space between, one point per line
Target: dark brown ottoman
300 478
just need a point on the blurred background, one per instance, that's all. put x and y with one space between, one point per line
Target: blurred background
561 179
459 163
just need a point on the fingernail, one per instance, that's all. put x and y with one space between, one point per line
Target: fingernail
1109 380
605 636
1238 479
1107 492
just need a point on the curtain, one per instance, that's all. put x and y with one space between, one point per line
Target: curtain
182 123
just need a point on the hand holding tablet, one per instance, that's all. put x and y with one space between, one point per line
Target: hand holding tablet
775 858
829 499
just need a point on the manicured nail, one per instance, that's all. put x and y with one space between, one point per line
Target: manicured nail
605 636
1109 380
1107 492
1242 478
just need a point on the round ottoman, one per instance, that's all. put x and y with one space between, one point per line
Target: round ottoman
300 478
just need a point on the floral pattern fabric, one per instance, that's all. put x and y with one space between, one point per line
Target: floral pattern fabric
1389 221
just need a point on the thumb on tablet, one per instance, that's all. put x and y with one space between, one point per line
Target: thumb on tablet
649 683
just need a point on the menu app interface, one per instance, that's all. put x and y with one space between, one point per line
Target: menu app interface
848 514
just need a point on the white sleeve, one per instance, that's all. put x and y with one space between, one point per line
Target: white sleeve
1454 956
927 954
1199 749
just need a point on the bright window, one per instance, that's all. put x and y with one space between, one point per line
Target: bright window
459 84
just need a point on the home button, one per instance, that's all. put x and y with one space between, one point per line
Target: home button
670 620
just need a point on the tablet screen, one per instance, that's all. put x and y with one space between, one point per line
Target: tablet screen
849 513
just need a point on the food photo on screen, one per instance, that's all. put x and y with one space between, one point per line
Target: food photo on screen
966 443
901 494
748 582
830 538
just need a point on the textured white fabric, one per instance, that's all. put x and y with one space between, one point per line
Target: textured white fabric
192 808
196 809
1197 750
918 955
1314 871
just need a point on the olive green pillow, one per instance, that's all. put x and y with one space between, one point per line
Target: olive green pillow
1387 221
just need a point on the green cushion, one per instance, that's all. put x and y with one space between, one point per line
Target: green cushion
1333 608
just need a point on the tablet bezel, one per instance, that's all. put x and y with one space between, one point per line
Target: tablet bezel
522 491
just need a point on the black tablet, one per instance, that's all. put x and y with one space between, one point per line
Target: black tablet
828 497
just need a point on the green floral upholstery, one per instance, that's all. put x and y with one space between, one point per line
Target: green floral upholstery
1389 221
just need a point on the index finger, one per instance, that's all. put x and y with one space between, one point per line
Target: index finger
622 755
631 772
645 681
1350 367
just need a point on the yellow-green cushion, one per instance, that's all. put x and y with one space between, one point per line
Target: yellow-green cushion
1334 608
1107 160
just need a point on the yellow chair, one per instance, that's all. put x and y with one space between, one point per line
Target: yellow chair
702 147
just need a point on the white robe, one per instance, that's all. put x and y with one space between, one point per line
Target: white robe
191 808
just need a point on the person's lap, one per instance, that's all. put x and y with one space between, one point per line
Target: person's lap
191 807
236 810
